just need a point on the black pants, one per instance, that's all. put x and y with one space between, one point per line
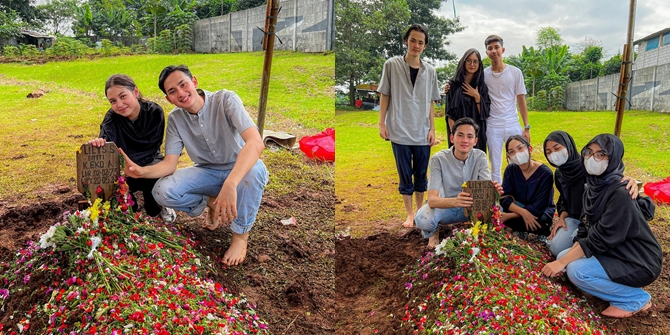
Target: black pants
145 185
517 224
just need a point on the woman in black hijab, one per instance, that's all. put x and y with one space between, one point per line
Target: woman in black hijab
136 126
615 253
570 179
469 96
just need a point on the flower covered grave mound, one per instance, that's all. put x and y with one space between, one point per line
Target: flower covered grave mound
105 270
483 280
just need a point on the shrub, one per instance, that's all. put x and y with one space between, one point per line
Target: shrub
151 45
183 36
556 98
165 42
540 101
11 51
29 50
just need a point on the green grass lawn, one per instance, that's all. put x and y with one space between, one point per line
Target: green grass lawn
366 181
39 136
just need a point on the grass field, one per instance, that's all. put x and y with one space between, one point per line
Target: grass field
39 136
366 181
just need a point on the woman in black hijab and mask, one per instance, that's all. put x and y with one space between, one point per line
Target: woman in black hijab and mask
615 253
469 96
570 179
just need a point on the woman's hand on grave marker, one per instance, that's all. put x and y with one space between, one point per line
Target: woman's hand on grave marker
97 142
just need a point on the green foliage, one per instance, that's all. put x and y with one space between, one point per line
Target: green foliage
446 72
107 48
11 51
67 47
183 37
552 80
29 50
23 10
548 37
611 66
151 45
246 4
83 20
10 26
360 33
551 100
165 42
56 13
424 12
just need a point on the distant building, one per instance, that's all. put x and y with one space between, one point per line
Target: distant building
30 37
653 50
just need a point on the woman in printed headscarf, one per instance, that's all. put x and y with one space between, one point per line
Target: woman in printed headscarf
528 198
469 96
569 178
615 252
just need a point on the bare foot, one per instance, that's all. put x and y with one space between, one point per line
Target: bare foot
237 251
210 223
434 240
615 312
409 222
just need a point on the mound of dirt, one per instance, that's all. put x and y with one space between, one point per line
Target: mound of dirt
371 297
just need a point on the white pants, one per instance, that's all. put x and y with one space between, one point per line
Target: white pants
495 139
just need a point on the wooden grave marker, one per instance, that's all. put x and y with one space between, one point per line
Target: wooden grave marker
484 196
98 167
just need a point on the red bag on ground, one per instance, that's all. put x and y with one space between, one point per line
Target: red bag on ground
320 146
659 191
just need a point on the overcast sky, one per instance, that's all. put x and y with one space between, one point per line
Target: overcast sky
518 21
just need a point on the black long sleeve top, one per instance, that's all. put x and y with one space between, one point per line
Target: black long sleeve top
141 139
535 194
622 241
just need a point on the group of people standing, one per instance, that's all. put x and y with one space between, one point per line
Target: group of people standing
601 236
227 178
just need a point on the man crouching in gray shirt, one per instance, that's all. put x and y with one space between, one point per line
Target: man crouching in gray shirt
449 169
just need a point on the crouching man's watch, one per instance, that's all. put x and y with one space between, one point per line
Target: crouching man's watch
527 127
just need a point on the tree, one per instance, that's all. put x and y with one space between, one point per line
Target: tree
359 35
246 4
588 42
24 10
548 37
56 14
423 12
446 72
83 21
10 25
611 66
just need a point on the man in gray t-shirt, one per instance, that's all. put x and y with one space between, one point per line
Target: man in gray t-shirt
408 88
449 169
224 144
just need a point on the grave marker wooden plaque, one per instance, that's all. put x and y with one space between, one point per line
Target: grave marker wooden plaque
484 196
98 167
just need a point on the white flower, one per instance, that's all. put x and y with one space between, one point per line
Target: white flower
95 242
439 249
475 251
46 240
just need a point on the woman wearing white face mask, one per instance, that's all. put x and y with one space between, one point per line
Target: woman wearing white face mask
570 179
528 198
615 252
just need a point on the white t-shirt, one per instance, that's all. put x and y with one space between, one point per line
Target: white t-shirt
503 90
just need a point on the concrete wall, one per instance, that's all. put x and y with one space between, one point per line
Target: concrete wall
648 90
302 25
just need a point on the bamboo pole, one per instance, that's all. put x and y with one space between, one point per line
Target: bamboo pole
268 46
626 64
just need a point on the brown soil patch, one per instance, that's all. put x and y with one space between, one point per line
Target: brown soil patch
371 297
288 273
